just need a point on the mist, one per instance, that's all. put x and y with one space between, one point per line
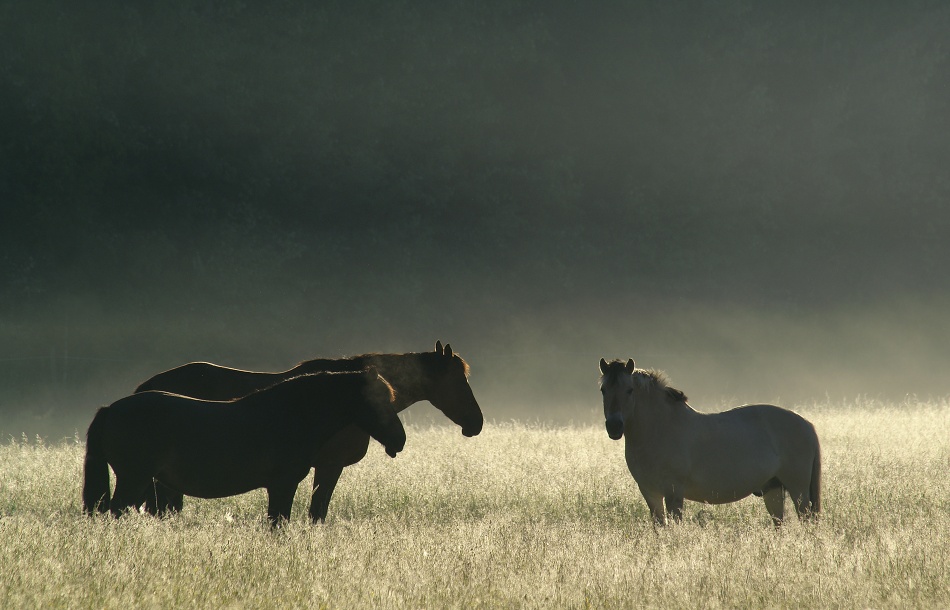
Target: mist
751 197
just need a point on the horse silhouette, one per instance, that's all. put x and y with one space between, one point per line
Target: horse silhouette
439 376
213 449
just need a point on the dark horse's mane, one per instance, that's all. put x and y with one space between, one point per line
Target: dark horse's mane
291 382
652 377
365 360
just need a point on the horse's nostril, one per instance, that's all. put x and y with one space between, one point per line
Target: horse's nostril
614 428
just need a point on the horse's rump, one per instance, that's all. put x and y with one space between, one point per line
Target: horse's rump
95 487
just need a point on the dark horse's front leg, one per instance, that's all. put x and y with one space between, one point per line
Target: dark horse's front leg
325 478
348 447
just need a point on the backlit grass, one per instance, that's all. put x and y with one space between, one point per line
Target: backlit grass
521 516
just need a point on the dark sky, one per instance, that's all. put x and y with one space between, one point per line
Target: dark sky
751 196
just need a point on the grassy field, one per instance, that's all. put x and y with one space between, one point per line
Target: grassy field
521 516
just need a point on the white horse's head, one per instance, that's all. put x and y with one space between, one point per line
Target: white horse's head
616 384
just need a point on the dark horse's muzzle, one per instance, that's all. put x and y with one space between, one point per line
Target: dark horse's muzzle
472 429
614 425
397 442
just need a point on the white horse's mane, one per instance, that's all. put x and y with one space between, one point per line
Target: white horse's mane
653 379
659 381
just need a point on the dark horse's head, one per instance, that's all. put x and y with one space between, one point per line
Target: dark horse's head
379 418
613 385
449 391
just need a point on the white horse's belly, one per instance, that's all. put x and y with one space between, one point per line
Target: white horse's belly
709 495
731 477
714 464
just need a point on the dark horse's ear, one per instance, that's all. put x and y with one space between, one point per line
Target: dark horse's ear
448 350
630 365
438 347
603 366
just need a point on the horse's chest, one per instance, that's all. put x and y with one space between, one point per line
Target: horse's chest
653 468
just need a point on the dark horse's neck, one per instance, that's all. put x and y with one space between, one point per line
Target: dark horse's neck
297 395
406 373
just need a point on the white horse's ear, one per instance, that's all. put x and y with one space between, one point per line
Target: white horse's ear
603 366
630 365
438 347
448 350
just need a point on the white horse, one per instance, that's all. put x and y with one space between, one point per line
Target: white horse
676 453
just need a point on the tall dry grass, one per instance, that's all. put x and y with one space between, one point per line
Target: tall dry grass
521 516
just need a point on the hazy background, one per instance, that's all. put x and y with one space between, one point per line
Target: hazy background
752 196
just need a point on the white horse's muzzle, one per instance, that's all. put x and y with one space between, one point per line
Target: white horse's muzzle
614 425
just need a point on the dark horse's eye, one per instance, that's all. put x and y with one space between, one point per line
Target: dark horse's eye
629 391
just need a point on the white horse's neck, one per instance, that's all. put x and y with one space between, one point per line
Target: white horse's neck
650 410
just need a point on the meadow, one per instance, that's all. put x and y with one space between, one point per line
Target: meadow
522 516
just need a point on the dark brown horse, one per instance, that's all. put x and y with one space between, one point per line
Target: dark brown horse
213 449
440 377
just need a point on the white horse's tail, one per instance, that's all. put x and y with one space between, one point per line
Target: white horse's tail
814 488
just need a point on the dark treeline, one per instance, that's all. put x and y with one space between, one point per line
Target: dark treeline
213 169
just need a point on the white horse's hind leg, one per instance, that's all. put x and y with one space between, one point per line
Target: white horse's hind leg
775 503
802 503
797 483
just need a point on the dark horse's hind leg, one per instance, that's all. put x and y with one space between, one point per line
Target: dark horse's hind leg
280 499
128 493
163 500
324 482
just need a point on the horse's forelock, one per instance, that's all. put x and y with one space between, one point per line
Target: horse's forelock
438 364
615 370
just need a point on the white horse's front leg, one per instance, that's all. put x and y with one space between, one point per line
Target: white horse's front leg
674 506
655 504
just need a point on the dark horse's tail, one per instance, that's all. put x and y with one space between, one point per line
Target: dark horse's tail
95 486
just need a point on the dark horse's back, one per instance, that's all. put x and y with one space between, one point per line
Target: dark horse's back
210 381
214 382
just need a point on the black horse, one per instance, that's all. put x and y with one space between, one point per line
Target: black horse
213 449
440 376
